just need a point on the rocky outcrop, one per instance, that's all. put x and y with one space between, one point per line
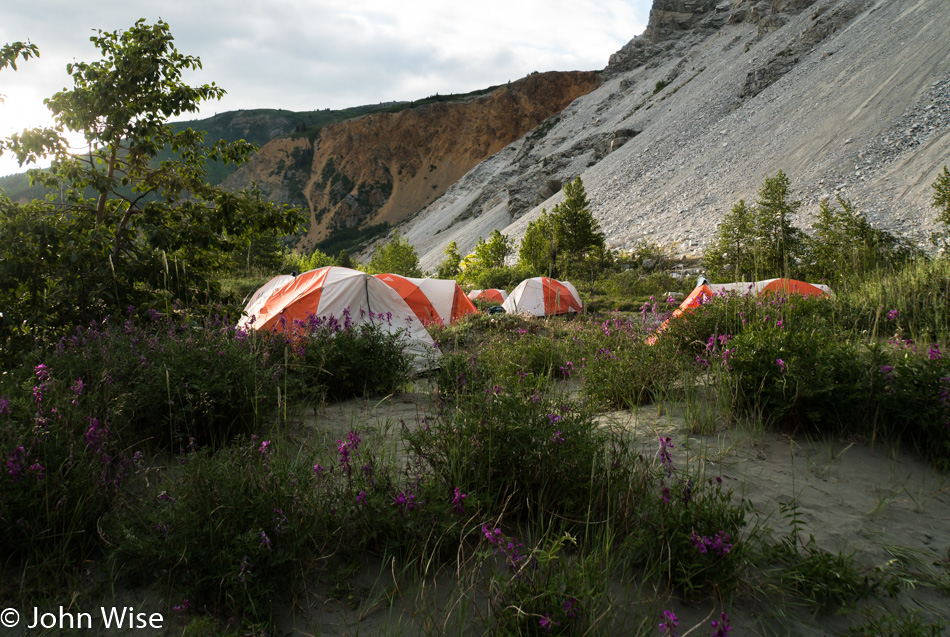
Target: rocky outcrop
847 97
823 22
385 167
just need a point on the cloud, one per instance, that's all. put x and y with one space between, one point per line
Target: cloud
314 54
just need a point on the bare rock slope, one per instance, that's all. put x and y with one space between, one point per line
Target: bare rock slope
848 97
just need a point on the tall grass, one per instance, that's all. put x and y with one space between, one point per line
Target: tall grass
159 452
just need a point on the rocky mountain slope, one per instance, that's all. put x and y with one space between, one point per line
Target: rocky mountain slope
848 97
384 167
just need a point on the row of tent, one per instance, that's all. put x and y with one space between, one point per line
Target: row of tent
394 302
430 300
705 291
406 305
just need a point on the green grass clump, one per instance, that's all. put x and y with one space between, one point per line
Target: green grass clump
525 453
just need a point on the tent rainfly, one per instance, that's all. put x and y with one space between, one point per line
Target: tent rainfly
491 295
542 296
432 300
338 292
704 291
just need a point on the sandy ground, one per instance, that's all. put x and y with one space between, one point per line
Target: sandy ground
853 496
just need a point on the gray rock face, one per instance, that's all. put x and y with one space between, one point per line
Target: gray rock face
847 97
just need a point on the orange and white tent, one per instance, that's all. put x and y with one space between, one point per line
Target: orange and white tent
492 295
542 296
262 294
705 291
433 300
342 293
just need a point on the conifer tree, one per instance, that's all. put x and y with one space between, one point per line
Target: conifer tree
451 266
778 244
731 256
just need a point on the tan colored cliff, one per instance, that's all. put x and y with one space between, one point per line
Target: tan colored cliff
385 167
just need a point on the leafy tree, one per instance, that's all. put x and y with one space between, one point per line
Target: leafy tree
731 256
537 253
451 266
398 256
9 54
778 244
314 260
152 232
486 263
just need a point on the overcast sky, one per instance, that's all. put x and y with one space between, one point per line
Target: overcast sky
314 54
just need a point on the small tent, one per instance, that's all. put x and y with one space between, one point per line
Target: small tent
543 296
492 295
704 291
338 292
432 300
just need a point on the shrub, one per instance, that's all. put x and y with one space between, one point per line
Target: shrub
796 378
166 380
550 588
62 468
520 451
244 522
630 374
253 521
334 359
823 580
687 528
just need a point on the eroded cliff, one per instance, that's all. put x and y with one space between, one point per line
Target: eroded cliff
385 167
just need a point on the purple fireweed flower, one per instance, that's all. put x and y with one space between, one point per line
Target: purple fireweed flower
15 462
547 623
317 469
665 495
665 459
933 353
511 549
183 606
558 438
265 541
688 491
361 497
892 315
265 447
405 501
721 626
887 371
780 363
457 499
668 627
96 434
569 607
351 444
78 388
4 405
42 372
39 470
718 544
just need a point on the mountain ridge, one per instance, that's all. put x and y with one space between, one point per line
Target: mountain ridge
847 97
